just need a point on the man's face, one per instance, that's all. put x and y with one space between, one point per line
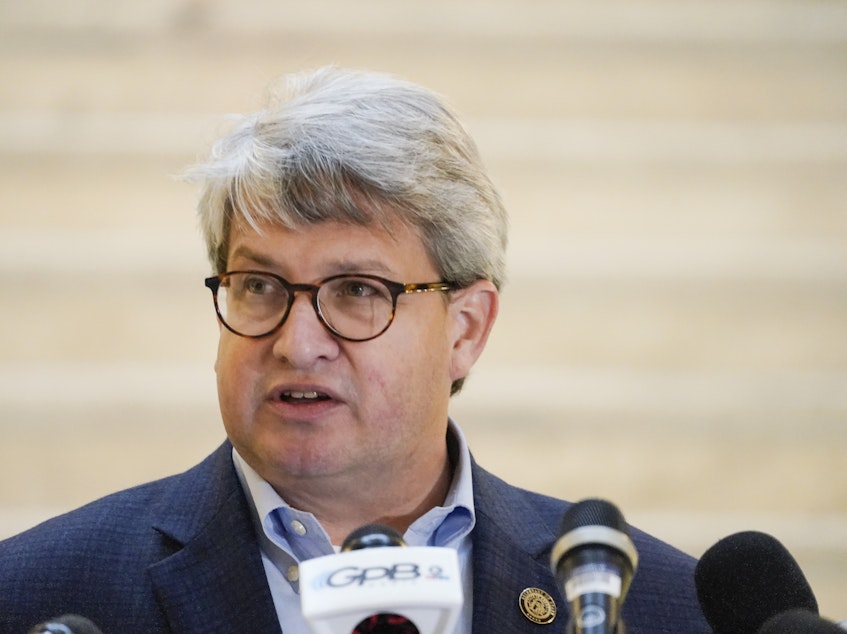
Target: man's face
381 405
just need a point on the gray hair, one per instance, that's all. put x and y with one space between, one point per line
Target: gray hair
363 148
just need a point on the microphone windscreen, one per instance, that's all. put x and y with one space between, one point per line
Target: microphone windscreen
66 624
593 512
372 536
386 624
745 579
799 622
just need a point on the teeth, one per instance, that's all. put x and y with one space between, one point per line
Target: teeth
302 394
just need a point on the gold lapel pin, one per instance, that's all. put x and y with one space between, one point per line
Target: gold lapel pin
537 606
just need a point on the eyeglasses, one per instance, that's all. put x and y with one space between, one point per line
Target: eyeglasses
353 307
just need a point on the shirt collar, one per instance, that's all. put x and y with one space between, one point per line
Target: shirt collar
447 524
300 534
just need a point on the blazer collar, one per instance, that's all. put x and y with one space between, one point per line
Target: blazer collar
211 577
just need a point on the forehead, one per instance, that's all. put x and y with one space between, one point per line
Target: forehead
328 248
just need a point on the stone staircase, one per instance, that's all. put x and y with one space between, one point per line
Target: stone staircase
673 331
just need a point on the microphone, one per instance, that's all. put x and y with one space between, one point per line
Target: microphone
799 621
594 561
747 578
67 624
379 585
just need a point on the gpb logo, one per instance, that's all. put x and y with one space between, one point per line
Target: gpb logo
353 575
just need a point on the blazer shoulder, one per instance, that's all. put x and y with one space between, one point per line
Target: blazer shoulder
130 509
99 553
662 598
512 505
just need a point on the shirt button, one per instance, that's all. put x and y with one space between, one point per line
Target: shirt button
293 573
298 527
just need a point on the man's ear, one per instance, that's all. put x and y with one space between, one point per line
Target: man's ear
474 311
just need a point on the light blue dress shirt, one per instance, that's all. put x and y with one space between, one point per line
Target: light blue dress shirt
288 536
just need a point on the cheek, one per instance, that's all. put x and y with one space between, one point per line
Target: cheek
384 377
224 372
236 371
224 358
413 373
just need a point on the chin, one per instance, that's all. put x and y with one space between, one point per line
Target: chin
300 460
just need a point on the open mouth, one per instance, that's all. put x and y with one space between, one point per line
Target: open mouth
303 397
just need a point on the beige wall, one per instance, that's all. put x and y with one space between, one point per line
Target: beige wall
673 334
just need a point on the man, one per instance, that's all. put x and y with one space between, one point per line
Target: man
358 249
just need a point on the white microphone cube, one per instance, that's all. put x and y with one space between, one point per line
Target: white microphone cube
422 584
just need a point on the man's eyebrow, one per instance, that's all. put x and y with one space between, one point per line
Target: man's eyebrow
249 254
338 267
360 266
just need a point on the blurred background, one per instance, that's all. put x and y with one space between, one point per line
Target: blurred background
674 331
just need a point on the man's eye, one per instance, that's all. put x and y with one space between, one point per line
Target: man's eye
358 288
256 286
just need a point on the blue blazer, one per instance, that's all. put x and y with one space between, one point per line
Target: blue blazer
180 555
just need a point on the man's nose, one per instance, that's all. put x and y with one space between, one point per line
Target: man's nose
303 338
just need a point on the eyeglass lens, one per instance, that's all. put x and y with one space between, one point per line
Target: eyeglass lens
354 307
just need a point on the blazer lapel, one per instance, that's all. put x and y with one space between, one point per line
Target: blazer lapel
214 581
511 552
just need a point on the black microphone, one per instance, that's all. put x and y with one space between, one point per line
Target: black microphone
799 621
747 578
594 561
372 536
66 624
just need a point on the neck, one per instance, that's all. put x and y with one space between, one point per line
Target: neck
342 507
